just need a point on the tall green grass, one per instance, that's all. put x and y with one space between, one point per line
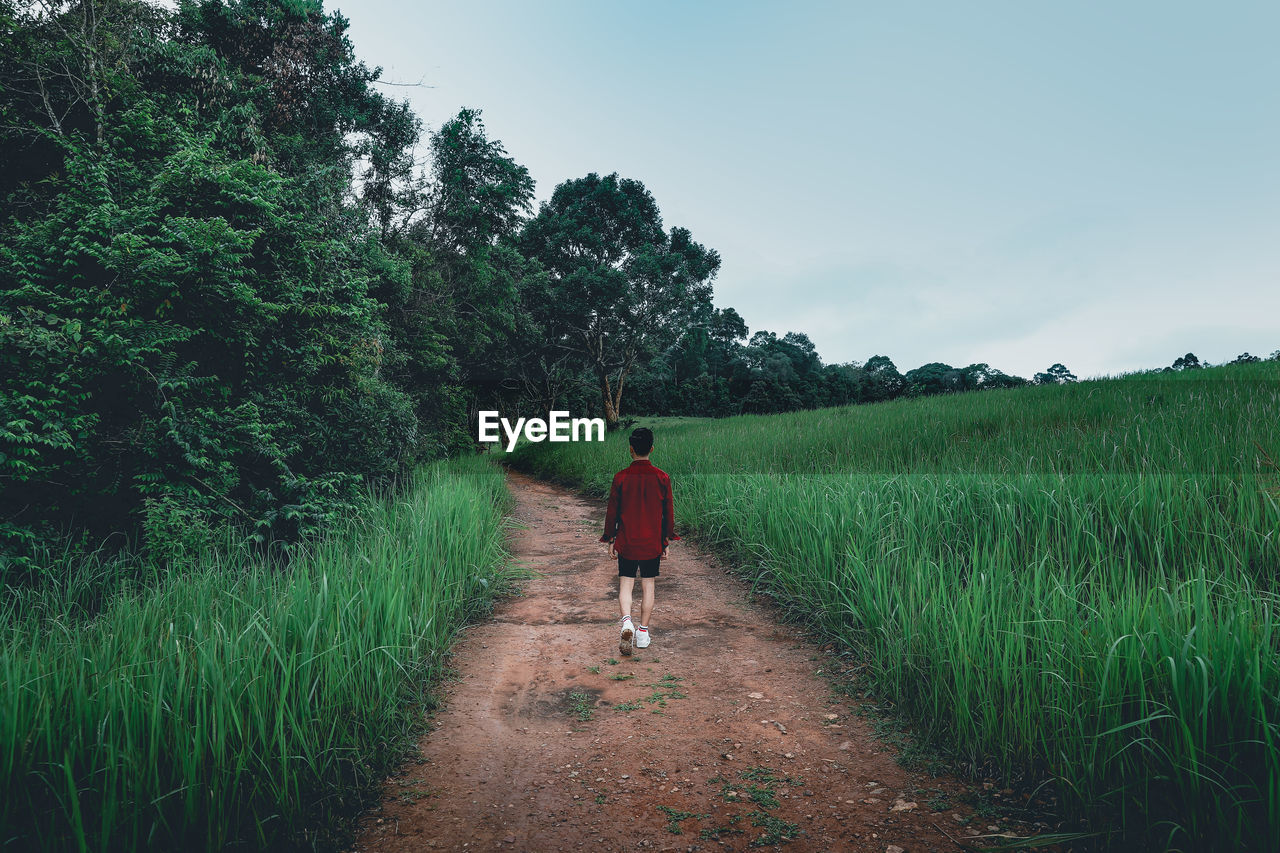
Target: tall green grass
237 705
1077 583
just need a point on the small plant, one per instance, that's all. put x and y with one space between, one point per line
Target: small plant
621 676
665 689
717 833
627 706
611 661
594 670
768 776
580 705
984 808
758 774
762 796
600 799
776 830
675 817
413 796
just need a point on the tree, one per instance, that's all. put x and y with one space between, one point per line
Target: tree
1057 374
1245 358
934 378
620 288
789 362
983 376
480 195
884 380
843 384
459 321
696 375
768 396
1187 362
727 327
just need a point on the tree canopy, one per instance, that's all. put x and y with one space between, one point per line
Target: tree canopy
620 288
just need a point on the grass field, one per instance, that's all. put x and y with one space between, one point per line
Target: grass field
1076 583
235 704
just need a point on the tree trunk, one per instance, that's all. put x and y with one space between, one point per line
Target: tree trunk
617 395
607 400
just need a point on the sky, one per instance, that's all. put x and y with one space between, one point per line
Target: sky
1010 182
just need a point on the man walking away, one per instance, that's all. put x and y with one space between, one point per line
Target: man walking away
638 524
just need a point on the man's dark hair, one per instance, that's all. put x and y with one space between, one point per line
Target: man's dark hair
642 441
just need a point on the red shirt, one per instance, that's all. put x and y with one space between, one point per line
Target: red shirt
641 515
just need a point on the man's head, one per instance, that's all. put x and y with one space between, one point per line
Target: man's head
641 442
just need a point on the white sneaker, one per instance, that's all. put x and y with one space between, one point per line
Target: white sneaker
628 631
642 637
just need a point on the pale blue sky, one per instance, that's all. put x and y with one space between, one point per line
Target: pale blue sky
1017 182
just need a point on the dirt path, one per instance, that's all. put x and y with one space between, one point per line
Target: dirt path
551 740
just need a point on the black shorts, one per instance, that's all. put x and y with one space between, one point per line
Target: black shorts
648 568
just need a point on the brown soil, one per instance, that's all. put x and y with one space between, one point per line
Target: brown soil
724 690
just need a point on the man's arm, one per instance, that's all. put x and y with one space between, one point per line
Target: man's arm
611 514
668 516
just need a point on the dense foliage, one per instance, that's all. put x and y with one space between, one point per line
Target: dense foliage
1073 585
190 335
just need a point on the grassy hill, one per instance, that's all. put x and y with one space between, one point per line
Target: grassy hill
1073 582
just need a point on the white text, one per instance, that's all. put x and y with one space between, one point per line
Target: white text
560 428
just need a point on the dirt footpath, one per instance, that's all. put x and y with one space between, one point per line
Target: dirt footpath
719 736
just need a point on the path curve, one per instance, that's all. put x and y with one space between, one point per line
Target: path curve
724 699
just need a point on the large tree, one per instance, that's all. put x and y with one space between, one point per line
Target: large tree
1058 374
457 320
934 378
884 382
620 287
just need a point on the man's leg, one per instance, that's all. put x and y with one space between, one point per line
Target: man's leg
625 586
627 634
646 599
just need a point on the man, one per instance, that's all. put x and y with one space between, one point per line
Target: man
639 524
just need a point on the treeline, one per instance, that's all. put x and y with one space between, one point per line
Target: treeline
719 371
716 370
231 297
